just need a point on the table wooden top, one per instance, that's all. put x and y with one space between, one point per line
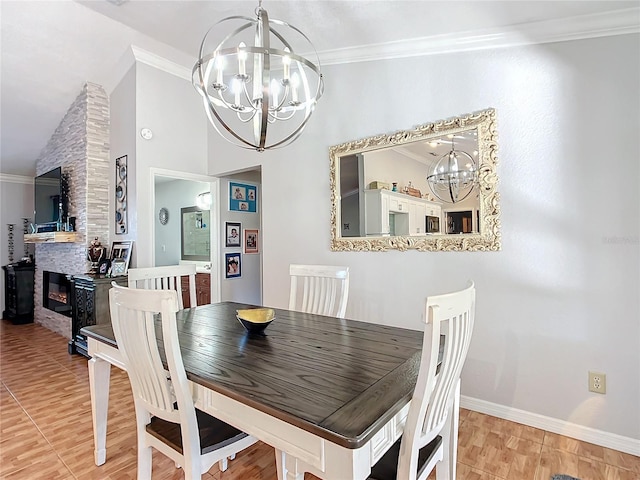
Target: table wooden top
338 379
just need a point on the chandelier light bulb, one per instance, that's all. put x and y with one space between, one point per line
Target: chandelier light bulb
286 65
267 81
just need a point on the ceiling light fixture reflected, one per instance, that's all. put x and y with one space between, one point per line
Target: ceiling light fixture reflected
454 176
203 201
252 78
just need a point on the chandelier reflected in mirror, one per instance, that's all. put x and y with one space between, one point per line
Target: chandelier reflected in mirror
251 80
454 176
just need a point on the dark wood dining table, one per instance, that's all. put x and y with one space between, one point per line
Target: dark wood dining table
330 395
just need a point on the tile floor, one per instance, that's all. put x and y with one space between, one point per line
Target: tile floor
46 433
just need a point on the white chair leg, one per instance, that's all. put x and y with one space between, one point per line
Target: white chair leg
232 457
144 462
223 464
145 455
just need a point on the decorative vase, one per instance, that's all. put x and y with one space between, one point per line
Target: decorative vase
95 253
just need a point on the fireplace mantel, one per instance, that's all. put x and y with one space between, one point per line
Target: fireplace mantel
53 237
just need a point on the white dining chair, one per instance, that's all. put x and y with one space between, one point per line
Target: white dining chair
319 289
166 417
430 432
166 278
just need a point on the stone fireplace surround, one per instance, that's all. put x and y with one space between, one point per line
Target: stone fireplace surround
80 145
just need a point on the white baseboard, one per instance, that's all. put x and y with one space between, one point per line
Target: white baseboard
561 427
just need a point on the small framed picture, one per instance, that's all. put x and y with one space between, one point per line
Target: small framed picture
121 251
118 267
232 265
251 241
104 266
232 234
243 197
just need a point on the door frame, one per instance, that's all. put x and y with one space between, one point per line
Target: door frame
214 219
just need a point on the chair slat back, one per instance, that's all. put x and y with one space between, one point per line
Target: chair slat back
319 289
165 278
451 315
133 314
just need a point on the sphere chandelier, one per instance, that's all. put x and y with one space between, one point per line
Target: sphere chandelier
454 176
253 79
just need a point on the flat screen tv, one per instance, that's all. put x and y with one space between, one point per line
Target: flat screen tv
48 204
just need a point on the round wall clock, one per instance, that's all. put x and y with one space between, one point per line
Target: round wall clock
146 133
163 216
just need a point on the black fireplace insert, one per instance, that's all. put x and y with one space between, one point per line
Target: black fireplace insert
56 292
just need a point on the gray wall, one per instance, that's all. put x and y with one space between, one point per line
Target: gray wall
123 142
168 106
561 298
16 203
173 195
248 287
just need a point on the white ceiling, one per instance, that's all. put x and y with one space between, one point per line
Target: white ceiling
50 49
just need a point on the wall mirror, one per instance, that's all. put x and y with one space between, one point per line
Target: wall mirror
195 234
381 198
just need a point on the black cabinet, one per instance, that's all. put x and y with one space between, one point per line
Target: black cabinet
90 304
18 292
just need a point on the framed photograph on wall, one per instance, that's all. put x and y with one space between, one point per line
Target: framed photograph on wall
243 197
232 234
232 263
251 241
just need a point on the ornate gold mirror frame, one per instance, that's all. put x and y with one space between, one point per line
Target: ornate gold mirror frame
485 234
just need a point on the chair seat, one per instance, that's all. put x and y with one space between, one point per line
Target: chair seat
387 467
214 433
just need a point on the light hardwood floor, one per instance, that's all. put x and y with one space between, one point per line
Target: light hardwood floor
46 433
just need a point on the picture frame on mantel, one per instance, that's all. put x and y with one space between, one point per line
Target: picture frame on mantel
121 195
120 257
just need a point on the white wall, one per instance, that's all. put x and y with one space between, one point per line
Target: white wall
404 170
16 203
168 106
561 298
173 195
248 287
123 142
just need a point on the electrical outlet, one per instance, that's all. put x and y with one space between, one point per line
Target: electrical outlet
597 382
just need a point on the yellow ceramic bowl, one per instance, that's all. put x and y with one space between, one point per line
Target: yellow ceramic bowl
255 320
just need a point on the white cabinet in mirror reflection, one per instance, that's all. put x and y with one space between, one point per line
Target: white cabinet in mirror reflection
394 213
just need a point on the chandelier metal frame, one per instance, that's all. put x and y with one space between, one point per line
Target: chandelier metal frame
256 98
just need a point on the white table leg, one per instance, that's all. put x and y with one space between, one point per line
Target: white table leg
99 375
291 471
280 464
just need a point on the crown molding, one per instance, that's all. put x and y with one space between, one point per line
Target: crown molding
618 22
161 63
136 54
6 177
